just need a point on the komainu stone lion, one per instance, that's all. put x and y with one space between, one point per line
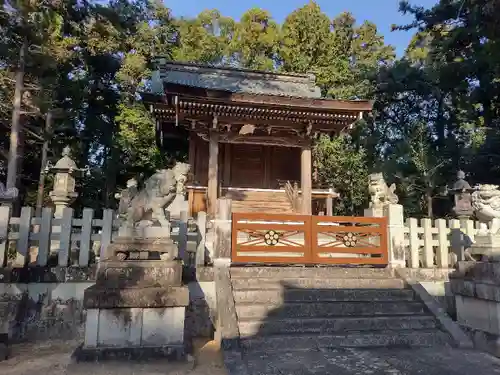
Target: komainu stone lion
158 193
486 206
380 193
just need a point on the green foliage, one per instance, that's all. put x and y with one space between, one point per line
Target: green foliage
256 40
436 108
136 139
340 164
204 39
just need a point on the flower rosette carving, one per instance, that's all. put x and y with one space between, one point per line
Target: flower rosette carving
350 239
271 238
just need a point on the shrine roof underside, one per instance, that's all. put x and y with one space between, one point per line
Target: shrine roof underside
202 97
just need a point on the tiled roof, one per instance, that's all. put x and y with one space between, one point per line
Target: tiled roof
235 80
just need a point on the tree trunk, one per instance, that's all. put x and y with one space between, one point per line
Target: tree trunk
43 164
428 199
12 166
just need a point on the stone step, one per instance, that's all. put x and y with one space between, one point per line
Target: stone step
316 283
326 309
311 272
283 343
336 325
276 296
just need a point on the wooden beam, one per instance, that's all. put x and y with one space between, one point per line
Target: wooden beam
224 97
306 180
213 173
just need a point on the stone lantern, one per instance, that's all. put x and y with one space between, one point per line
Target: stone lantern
462 194
8 196
63 193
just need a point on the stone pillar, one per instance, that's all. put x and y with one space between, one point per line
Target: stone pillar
395 235
213 173
395 231
222 240
306 180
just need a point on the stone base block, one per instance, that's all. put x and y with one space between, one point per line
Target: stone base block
478 314
83 354
478 272
133 248
486 245
118 274
134 330
144 232
102 297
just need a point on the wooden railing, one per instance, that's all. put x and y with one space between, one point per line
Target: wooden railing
304 239
79 241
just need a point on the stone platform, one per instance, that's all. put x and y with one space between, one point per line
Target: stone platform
476 286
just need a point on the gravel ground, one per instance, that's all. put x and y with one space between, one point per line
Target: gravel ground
54 358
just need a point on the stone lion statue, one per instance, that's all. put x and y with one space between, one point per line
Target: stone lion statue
486 206
159 191
380 193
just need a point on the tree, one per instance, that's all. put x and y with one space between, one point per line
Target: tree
256 40
306 40
204 39
340 165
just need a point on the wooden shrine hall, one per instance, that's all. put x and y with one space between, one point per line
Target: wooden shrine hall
248 134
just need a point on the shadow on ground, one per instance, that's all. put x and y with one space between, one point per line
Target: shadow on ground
308 325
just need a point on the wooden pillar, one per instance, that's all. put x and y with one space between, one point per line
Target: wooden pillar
306 180
213 173
329 206
226 178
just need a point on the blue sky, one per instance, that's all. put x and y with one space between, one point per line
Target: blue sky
381 12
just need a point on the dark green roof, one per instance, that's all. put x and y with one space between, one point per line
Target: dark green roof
234 80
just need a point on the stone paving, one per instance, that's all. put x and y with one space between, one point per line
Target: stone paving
428 361
54 358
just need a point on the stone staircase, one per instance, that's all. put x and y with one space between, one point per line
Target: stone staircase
261 201
292 308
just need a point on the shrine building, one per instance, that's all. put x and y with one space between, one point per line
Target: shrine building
248 134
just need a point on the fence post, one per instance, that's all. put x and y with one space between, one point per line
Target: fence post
442 258
65 237
202 230
428 260
85 237
222 240
395 234
44 236
414 242
24 237
456 239
107 231
4 233
183 236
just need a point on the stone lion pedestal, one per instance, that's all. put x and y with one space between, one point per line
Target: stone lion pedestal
137 307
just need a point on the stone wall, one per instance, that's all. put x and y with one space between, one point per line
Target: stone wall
43 304
436 281
476 286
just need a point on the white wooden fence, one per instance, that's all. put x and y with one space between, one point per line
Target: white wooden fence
437 243
37 241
